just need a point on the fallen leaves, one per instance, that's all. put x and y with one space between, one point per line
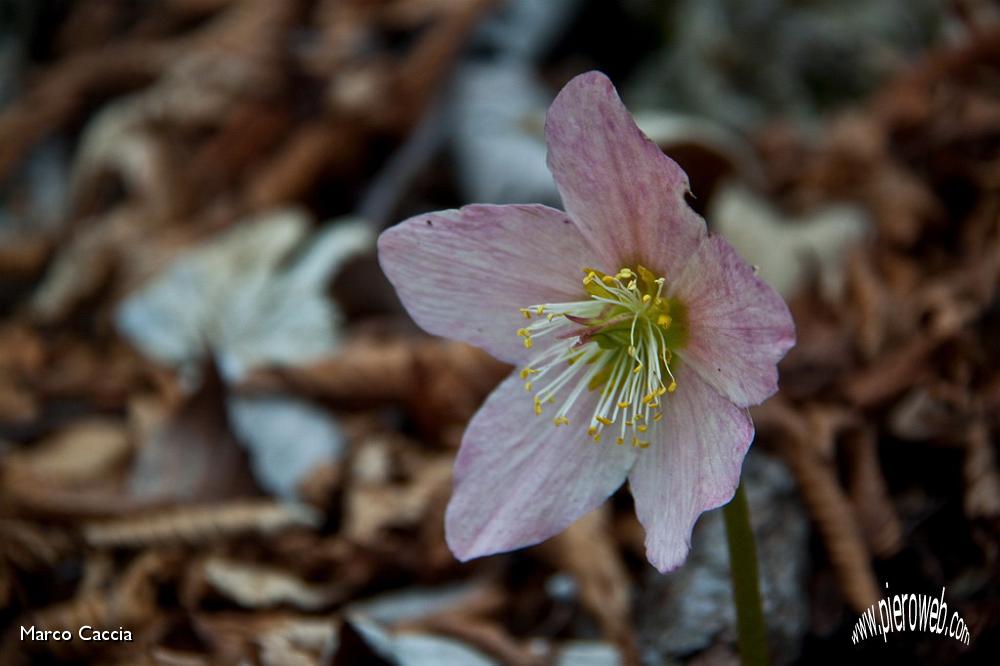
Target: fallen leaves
216 430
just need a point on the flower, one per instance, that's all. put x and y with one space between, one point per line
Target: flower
639 339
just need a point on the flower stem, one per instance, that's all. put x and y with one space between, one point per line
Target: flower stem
746 584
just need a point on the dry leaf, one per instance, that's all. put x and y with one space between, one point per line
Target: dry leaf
256 586
194 525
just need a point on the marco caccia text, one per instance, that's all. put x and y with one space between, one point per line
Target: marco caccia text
84 633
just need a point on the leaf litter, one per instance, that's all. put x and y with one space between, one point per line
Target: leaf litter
217 429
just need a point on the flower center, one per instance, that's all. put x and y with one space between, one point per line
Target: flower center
619 340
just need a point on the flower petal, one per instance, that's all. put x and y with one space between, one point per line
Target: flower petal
519 479
692 465
738 326
465 273
626 195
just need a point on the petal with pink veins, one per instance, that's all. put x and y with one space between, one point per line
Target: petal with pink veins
738 326
692 465
626 195
520 480
464 274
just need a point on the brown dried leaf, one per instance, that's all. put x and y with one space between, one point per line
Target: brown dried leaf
194 455
305 642
266 637
88 452
199 524
257 586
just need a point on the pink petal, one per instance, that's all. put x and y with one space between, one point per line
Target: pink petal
626 195
738 326
692 465
465 273
519 479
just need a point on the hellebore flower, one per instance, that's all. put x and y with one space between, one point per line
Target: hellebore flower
639 339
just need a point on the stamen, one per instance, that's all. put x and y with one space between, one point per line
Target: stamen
618 339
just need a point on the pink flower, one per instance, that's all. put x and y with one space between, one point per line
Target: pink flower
640 339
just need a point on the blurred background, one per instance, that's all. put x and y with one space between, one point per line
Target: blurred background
220 432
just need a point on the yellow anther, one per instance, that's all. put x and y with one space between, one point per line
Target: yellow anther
672 387
642 427
658 416
635 442
661 390
643 444
560 420
654 405
649 397
551 316
591 277
538 407
528 343
630 423
528 386
592 430
637 369
619 441
624 405
646 298
523 332
631 350
664 320
597 438
540 309
608 280
528 371
526 312
605 420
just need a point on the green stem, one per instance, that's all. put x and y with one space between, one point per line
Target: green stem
746 583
